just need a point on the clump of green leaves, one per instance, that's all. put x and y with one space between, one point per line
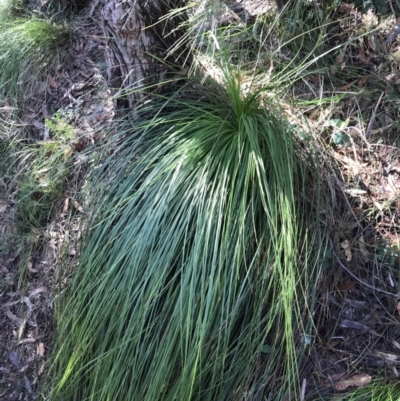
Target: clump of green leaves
60 129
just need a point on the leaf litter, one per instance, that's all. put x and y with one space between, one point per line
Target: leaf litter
26 306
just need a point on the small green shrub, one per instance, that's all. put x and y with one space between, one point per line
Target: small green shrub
60 129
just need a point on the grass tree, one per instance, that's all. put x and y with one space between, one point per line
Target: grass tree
198 265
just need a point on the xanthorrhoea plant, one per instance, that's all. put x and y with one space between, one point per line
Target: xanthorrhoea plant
194 262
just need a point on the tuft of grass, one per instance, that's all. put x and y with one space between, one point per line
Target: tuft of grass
199 265
27 48
7 8
42 172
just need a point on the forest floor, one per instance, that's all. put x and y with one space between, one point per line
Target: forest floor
357 317
30 261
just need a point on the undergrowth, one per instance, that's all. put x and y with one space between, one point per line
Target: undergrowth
33 172
43 167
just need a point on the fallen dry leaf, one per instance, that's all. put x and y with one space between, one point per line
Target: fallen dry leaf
6 109
359 380
362 82
11 303
336 376
386 356
44 110
390 78
341 56
27 384
38 125
38 291
77 146
351 324
391 280
339 62
41 369
27 340
66 204
361 55
21 329
41 350
52 82
11 316
30 116
14 358
371 43
303 389
78 206
398 307
346 246
31 269
378 206
333 344
28 303
314 78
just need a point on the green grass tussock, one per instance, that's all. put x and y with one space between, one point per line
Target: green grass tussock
7 8
27 48
194 263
